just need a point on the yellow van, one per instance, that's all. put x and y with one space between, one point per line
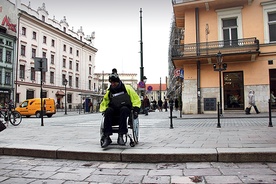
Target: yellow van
33 107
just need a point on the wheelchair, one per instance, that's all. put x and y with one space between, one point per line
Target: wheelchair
132 125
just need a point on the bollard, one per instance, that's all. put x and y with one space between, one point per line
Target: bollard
269 113
171 109
218 125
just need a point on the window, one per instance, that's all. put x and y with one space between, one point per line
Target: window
52 59
34 35
22 71
230 31
0 76
64 29
269 14
89 84
77 52
69 98
8 78
23 50
70 81
229 24
64 63
1 55
90 58
8 56
44 39
89 70
70 65
53 43
63 78
272 26
44 54
23 31
30 94
77 82
77 67
32 74
43 18
64 48
71 50
52 76
33 53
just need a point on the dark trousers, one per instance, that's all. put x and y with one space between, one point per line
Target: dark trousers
110 113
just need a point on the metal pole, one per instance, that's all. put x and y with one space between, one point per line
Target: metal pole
218 125
171 109
220 92
41 97
160 89
180 101
65 98
269 113
141 48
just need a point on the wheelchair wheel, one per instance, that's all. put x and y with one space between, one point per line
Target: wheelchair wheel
135 130
101 131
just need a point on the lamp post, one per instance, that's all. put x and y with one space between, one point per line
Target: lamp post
65 83
221 67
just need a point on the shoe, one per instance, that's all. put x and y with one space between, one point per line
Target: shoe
120 140
106 142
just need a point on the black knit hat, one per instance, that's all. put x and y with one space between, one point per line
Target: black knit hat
114 77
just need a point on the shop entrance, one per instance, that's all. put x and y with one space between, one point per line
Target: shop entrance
233 90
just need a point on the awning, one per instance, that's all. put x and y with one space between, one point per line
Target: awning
60 93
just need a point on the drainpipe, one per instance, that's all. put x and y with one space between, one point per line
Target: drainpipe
198 61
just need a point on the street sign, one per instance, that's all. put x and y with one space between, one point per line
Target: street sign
181 74
41 63
142 84
149 88
177 72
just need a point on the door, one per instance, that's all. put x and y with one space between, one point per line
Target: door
272 82
233 90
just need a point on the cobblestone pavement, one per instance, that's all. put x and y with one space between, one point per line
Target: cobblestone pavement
27 170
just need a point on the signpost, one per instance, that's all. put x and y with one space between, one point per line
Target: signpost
41 65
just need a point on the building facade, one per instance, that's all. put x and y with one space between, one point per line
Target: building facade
8 51
225 48
70 57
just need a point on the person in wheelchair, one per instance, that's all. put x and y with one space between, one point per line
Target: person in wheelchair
118 100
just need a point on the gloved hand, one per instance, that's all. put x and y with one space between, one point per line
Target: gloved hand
135 115
136 111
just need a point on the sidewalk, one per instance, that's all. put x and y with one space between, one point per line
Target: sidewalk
193 138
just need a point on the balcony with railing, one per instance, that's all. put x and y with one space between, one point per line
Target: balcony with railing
205 49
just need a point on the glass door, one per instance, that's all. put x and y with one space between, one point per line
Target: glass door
233 90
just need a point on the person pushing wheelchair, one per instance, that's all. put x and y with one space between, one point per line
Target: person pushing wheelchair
118 100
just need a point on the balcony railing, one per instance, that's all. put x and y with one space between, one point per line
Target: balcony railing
211 48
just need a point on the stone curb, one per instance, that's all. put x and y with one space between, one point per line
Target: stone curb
149 156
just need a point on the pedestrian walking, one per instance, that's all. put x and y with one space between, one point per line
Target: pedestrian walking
160 103
251 101
146 104
176 105
166 105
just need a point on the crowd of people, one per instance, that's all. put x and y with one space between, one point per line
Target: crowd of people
158 105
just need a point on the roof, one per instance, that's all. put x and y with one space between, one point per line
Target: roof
156 87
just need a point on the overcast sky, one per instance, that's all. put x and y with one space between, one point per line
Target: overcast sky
117 29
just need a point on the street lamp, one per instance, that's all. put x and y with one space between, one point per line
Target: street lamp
221 67
65 83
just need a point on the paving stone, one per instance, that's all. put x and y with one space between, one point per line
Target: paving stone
223 179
